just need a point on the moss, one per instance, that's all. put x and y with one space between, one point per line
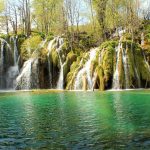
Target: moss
143 68
42 55
100 73
74 69
107 64
109 45
65 46
131 66
121 71
71 57
55 58
5 36
20 41
29 46
127 36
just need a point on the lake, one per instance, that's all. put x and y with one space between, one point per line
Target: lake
75 120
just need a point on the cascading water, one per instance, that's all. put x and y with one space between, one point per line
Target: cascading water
29 76
61 77
34 72
11 76
2 55
137 77
125 65
86 71
60 84
142 44
13 71
25 75
123 57
119 32
16 54
2 64
116 83
57 44
50 47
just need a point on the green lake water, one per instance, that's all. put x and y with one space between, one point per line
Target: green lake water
75 120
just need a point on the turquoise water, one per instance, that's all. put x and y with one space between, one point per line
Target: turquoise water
75 120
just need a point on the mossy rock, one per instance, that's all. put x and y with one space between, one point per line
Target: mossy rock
100 73
71 57
29 46
55 58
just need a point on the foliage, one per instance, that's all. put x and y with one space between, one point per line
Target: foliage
29 46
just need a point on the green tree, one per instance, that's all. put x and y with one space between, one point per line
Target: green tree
100 7
47 15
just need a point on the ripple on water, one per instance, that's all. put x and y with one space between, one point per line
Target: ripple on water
75 120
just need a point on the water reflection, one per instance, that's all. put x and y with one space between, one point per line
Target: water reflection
75 120
124 126
28 117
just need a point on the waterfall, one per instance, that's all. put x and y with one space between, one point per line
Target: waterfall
142 44
94 79
5 51
119 32
2 55
86 71
13 71
36 51
124 59
16 54
135 69
3 44
57 44
25 75
60 83
116 83
29 76
125 65
50 48
2 64
138 78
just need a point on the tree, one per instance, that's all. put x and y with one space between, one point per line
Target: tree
48 15
100 7
4 22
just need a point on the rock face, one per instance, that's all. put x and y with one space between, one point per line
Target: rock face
52 64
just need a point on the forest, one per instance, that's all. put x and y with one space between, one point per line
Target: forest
74 44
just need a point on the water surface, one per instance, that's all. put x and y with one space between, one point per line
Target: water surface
75 120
